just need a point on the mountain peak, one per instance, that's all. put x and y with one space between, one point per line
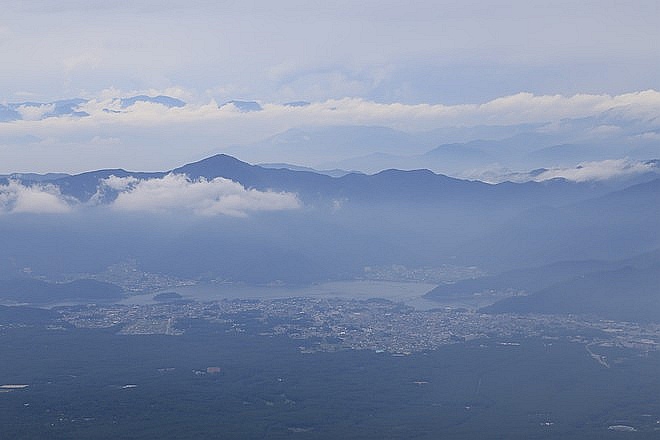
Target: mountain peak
219 165
167 101
244 106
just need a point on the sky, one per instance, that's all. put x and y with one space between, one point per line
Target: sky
410 65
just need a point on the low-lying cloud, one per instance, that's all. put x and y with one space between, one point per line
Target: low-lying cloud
176 193
150 136
593 171
17 198
597 171
35 112
173 193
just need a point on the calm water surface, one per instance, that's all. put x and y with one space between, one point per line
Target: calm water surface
406 292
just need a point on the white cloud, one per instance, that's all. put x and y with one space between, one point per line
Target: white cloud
585 172
595 171
98 140
34 199
120 183
648 136
149 136
177 193
35 112
513 109
81 61
173 193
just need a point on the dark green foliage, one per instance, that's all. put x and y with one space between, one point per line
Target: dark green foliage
267 389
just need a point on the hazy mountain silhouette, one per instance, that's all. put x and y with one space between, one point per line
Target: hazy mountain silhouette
29 290
627 294
414 218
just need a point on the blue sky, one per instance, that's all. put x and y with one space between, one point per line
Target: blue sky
413 65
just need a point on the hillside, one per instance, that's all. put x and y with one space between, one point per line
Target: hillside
626 294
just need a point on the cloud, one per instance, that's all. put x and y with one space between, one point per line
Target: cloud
173 193
648 136
596 171
151 136
81 61
593 171
34 199
35 112
176 193
155 43
512 109
120 183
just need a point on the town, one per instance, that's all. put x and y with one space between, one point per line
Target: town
330 324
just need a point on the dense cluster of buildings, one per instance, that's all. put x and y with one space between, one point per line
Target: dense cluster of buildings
322 324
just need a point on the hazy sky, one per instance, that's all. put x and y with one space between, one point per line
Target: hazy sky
386 52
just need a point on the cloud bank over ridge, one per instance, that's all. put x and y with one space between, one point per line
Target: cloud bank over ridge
150 135
178 194
598 171
172 193
33 199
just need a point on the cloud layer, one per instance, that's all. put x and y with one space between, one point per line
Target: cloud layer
597 171
594 171
176 193
35 199
152 136
173 194
416 65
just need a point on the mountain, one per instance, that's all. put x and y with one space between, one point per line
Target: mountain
9 113
297 104
529 280
458 151
386 187
167 101
526 280
26 315
332 173
625 294
332 144
522 151
613 226
83 186
28 290
34 177
391 185
17 111
71 107
244 106
415 218
617 174
622 290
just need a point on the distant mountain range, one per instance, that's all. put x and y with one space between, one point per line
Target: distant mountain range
28 290
71 107
627 290
341 225
471 151
388 186
624 294
495 153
